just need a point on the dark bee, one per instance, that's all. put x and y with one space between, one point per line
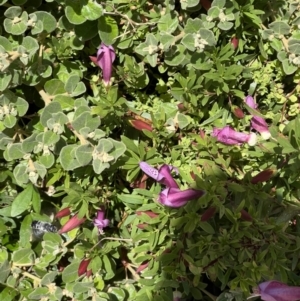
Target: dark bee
39 228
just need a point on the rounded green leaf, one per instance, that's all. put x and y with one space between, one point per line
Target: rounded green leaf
73 12
99 166
54 87
16 26
5 79
280 27
108 29
13 11
92 10
189 42
9 121
86 31
47 160
225 25
67 157
23 257
20 173
168 23
84 154
52 108
49 22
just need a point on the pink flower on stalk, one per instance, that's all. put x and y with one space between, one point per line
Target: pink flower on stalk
105 57
162 175
278 291
172 196
100 222
258 123
229 136
175 198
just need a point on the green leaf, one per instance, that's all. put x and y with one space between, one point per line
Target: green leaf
5 79
49 22
86 31
189 41
99 166
47 160
92 10
39 293
23 257
25 232
16 27
36 200
68 157
52 108
288 68
225 25
280 27
54 87
84 154
168 23
86 120
66 102
108 29
22 201
70 273
73 12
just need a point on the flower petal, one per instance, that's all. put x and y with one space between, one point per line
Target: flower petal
174 197
250 102
278 291
166 178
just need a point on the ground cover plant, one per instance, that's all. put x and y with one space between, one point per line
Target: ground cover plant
149 150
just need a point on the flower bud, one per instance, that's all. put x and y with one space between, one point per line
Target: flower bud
238 112
148 212
83 267
263 176
246 216
71 224
141 125
63 212
234 42
208 213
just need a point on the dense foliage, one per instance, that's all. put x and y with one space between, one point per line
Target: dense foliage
169 78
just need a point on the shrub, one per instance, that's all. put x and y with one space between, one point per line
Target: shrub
90 89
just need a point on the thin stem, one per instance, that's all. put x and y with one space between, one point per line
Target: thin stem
212 297
26 274
46 98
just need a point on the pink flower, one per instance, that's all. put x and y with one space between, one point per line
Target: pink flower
100 222
229 136
161 175
258 123
105 57
278 291
175 198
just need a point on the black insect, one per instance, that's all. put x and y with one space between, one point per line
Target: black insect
39 228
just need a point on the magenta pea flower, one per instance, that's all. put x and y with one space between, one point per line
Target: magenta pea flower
175 198
278 291
229 136
162 175
105 57
100 222
258 123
